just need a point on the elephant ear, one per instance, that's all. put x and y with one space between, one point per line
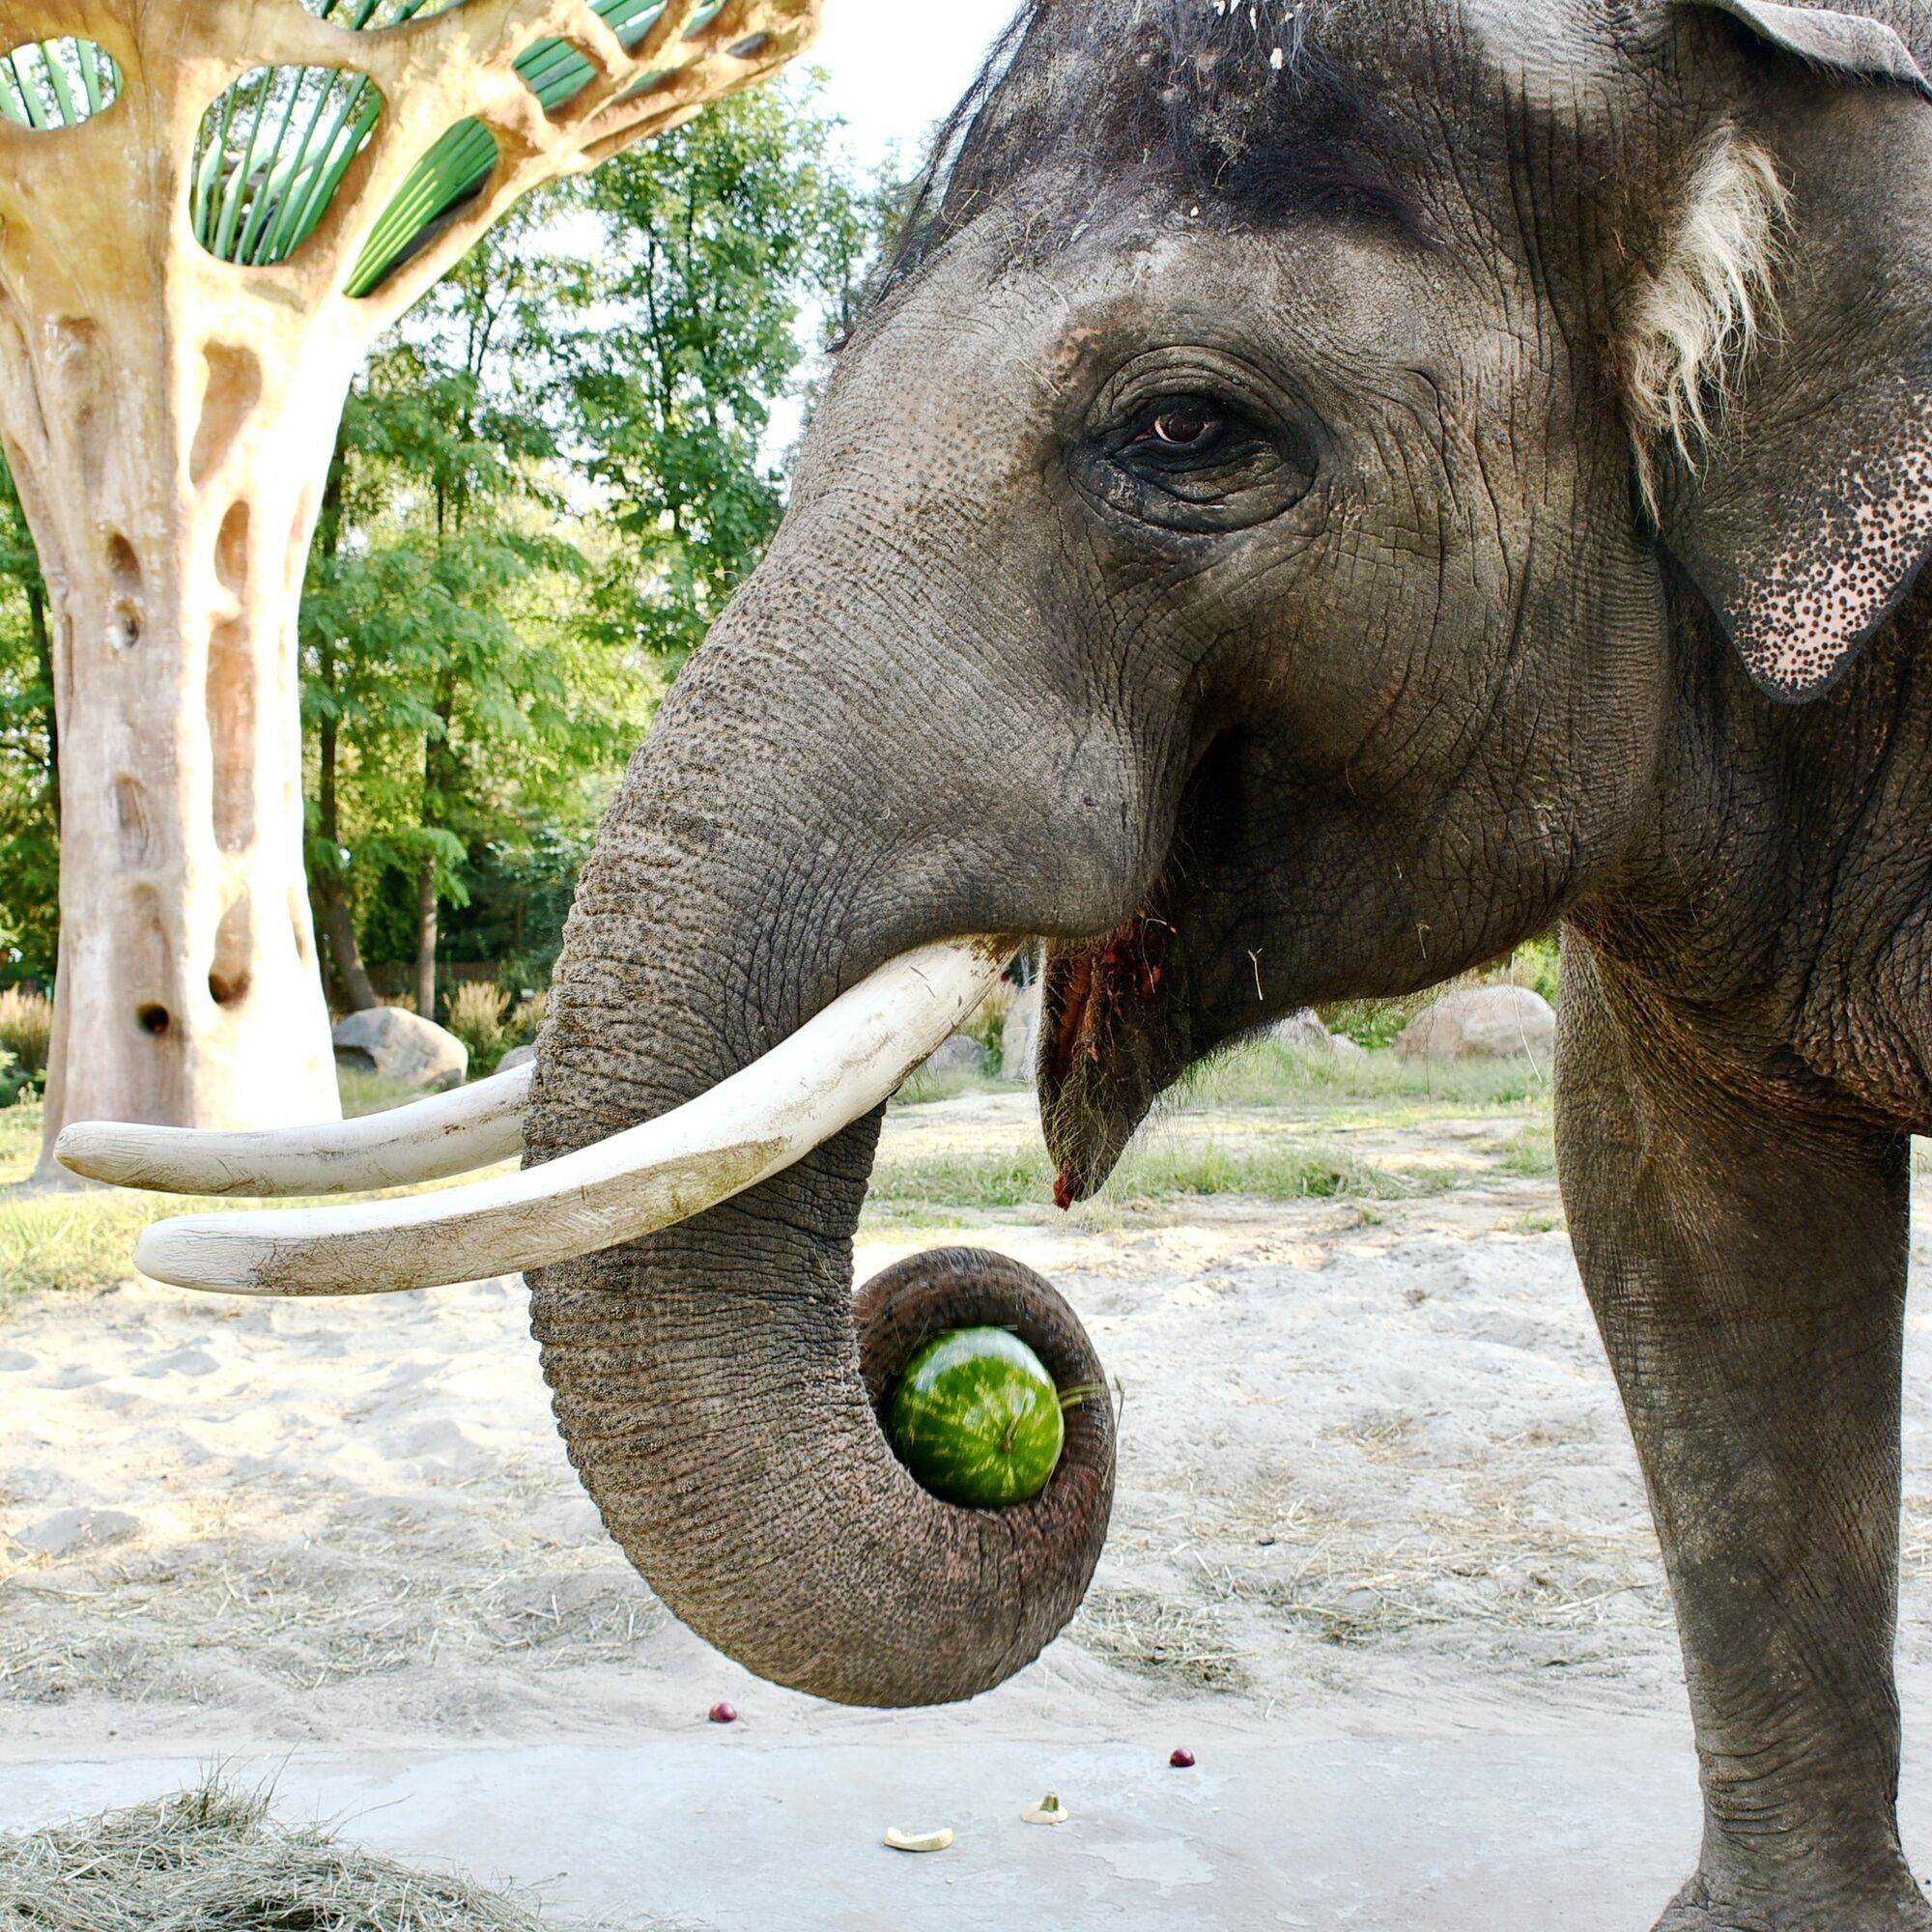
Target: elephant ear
1798 270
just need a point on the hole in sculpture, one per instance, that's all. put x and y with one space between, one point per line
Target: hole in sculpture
272 153
131 814
299 920
448 178
233 388
123 563
372 15
47 84
153 1017
750 47
557 72
78 377
124 569
230 549
230 977
231 735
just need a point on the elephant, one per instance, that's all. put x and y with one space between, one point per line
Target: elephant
1319 495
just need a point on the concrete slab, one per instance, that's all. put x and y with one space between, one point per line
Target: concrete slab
1589 1830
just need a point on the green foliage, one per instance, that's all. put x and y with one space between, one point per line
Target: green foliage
476 1016
1369 1023
1535 965
549 482
26 1032
678 333
29 757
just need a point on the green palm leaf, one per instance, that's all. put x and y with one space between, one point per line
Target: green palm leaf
462 160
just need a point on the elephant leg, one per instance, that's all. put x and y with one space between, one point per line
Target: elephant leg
1747 1273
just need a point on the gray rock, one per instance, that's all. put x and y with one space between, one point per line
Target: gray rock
1303 1029
961 1054
1019 1042
1346 1049
402 1046
1483 1023
518 1056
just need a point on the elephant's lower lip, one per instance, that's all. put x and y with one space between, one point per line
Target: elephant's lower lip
1088 991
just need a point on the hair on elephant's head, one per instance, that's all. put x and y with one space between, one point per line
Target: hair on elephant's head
1298 467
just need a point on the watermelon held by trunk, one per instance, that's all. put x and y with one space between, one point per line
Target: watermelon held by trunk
976 1418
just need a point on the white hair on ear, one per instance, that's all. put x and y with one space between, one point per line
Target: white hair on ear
1702 307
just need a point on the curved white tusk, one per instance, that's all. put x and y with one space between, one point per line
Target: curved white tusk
448 1133
834 1068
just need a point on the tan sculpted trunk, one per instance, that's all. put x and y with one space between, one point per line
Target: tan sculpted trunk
169 417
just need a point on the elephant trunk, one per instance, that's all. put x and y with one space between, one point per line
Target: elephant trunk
717 1384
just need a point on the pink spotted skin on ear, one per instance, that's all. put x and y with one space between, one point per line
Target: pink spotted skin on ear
1798 628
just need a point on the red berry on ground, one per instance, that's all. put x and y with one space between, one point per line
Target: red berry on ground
724 1714
1181 1759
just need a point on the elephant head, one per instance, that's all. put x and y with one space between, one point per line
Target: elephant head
1299 472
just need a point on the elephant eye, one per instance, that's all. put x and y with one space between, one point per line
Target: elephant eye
1183 423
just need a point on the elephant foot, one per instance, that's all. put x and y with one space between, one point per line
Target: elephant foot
1892 1903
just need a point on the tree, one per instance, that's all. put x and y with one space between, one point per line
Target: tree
449 698
469 721
207 214
678 333
29 755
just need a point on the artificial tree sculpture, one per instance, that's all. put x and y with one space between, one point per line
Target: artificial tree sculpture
207 211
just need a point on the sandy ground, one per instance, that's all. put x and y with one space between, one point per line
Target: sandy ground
1375 1488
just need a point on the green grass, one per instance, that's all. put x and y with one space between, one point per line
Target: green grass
1265 1074
370 1094
1149 1176
1530 1152
925 1088
86 1240
1299 1103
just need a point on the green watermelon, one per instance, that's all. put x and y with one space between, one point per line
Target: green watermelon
976 1418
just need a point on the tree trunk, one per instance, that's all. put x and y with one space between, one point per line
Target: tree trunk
338 923
43 656
171 488
426 924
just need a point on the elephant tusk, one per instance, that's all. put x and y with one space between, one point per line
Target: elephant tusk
448 1133
836 1068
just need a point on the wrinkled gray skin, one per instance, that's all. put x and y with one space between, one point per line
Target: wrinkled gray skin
1362 687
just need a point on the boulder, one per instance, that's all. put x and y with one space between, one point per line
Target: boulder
1344 1048
1483 1023
961 1054
1019 1042
1303 1029
403 1047
518 1056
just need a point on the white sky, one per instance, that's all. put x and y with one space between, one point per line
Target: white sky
895 66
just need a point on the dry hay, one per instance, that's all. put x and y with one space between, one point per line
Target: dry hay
271 1600
1172 1641
214 1860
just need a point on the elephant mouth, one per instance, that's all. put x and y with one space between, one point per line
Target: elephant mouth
1100 1002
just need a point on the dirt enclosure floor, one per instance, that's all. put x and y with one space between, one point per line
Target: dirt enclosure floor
1379 1557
